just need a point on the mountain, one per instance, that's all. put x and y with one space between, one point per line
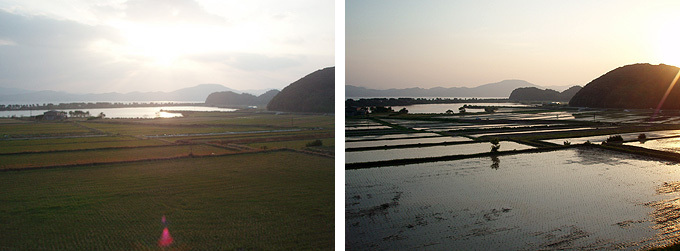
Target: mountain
196 93
535 94
312 93
12 91
230 98
635 86
500 89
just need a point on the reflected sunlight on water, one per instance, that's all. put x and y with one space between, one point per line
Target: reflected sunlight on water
567 199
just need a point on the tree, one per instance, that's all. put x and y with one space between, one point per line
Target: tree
642 138
461 109
403 111
449 111
495 145
101 115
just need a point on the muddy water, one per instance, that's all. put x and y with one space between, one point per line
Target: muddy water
569 199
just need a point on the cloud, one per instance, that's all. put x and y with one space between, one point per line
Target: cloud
53 54
257 62
151 45
4 42
44 32
250 61
170 11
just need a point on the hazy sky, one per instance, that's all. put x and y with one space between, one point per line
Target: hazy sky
398 44
162 45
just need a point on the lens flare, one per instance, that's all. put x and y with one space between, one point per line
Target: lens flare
663 99
166 239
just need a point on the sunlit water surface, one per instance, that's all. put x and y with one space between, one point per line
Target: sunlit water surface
127 112
431 151
568 199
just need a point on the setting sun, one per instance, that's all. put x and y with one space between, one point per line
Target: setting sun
668 43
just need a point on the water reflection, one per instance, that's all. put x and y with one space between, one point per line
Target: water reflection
592 156
567 199
495 162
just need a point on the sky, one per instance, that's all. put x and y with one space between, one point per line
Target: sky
451 43
97 46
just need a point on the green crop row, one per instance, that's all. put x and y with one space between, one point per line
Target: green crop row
295 144
18 161
40 129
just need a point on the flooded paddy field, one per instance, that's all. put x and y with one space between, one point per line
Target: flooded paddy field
370 127
577 198
393 142
626 137
667 144
431 151
442 108
529 132
441 126
390 136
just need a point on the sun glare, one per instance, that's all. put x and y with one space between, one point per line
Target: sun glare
166 45
160 45
668 43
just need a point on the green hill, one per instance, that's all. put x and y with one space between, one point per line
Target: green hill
229 98
535 94
636 86
312 93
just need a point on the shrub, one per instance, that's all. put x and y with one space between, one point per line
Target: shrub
315 143
616 139
567 143
642 137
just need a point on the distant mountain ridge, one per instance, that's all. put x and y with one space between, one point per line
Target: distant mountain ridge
195 93
230 98
536 94
499 89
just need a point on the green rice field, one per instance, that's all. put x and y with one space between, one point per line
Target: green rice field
106 184
277 200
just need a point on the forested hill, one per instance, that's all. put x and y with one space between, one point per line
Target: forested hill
535 94
636 86
312 93
230 98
